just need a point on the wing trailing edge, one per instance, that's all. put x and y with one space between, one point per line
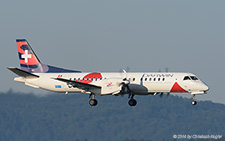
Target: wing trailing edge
80 85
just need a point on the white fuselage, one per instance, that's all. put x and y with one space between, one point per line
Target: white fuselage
139 83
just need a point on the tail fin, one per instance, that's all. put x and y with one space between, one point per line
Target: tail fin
29 61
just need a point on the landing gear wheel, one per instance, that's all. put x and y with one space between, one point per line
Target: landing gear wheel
132 102
93 102
194 102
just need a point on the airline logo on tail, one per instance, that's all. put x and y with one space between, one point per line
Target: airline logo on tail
29 61
26 55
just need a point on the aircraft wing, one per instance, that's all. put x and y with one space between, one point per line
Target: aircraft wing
80 85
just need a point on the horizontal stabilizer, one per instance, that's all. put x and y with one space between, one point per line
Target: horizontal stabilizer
22 73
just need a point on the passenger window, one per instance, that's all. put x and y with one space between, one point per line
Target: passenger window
150 79
83 79
133 79
78 79
100 78
159 79
91 79
163 79
145 79
187 78
74 79
141 79
154 79
194 78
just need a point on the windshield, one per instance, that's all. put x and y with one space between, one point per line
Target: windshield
194 78
190 78
187 78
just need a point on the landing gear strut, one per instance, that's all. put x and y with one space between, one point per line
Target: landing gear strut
132 101
93 101
194 102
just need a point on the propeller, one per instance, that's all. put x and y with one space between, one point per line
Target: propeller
123 72
125 83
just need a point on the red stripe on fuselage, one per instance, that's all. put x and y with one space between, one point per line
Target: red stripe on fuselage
90 76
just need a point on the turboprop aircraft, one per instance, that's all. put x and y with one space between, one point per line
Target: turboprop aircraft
35 74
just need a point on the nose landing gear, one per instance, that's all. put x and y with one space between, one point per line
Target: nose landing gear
194 102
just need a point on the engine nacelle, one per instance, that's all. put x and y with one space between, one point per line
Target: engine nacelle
111 85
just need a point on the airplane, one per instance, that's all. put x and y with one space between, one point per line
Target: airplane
38 75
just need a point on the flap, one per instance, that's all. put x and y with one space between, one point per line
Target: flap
80 85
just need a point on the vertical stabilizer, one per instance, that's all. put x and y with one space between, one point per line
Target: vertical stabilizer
28 59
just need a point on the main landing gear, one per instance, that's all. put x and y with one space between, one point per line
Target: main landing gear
132 101
194 102
93 101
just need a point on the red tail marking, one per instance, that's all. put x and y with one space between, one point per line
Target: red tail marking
31 61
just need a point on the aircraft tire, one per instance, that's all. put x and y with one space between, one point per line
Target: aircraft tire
93 102
194 102
132 102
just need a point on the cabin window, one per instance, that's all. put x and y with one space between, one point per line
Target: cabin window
133 79
158 79
74 79
100 78
187 78
163 79
145 79
141 79
91 79
96 79
78 79
154 79
150 79
87 79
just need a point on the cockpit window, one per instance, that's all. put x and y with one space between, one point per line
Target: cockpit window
187 78
194 78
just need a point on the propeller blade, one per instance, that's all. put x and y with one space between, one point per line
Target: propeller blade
161 95
168 94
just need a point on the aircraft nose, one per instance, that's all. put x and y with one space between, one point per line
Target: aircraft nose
205 87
